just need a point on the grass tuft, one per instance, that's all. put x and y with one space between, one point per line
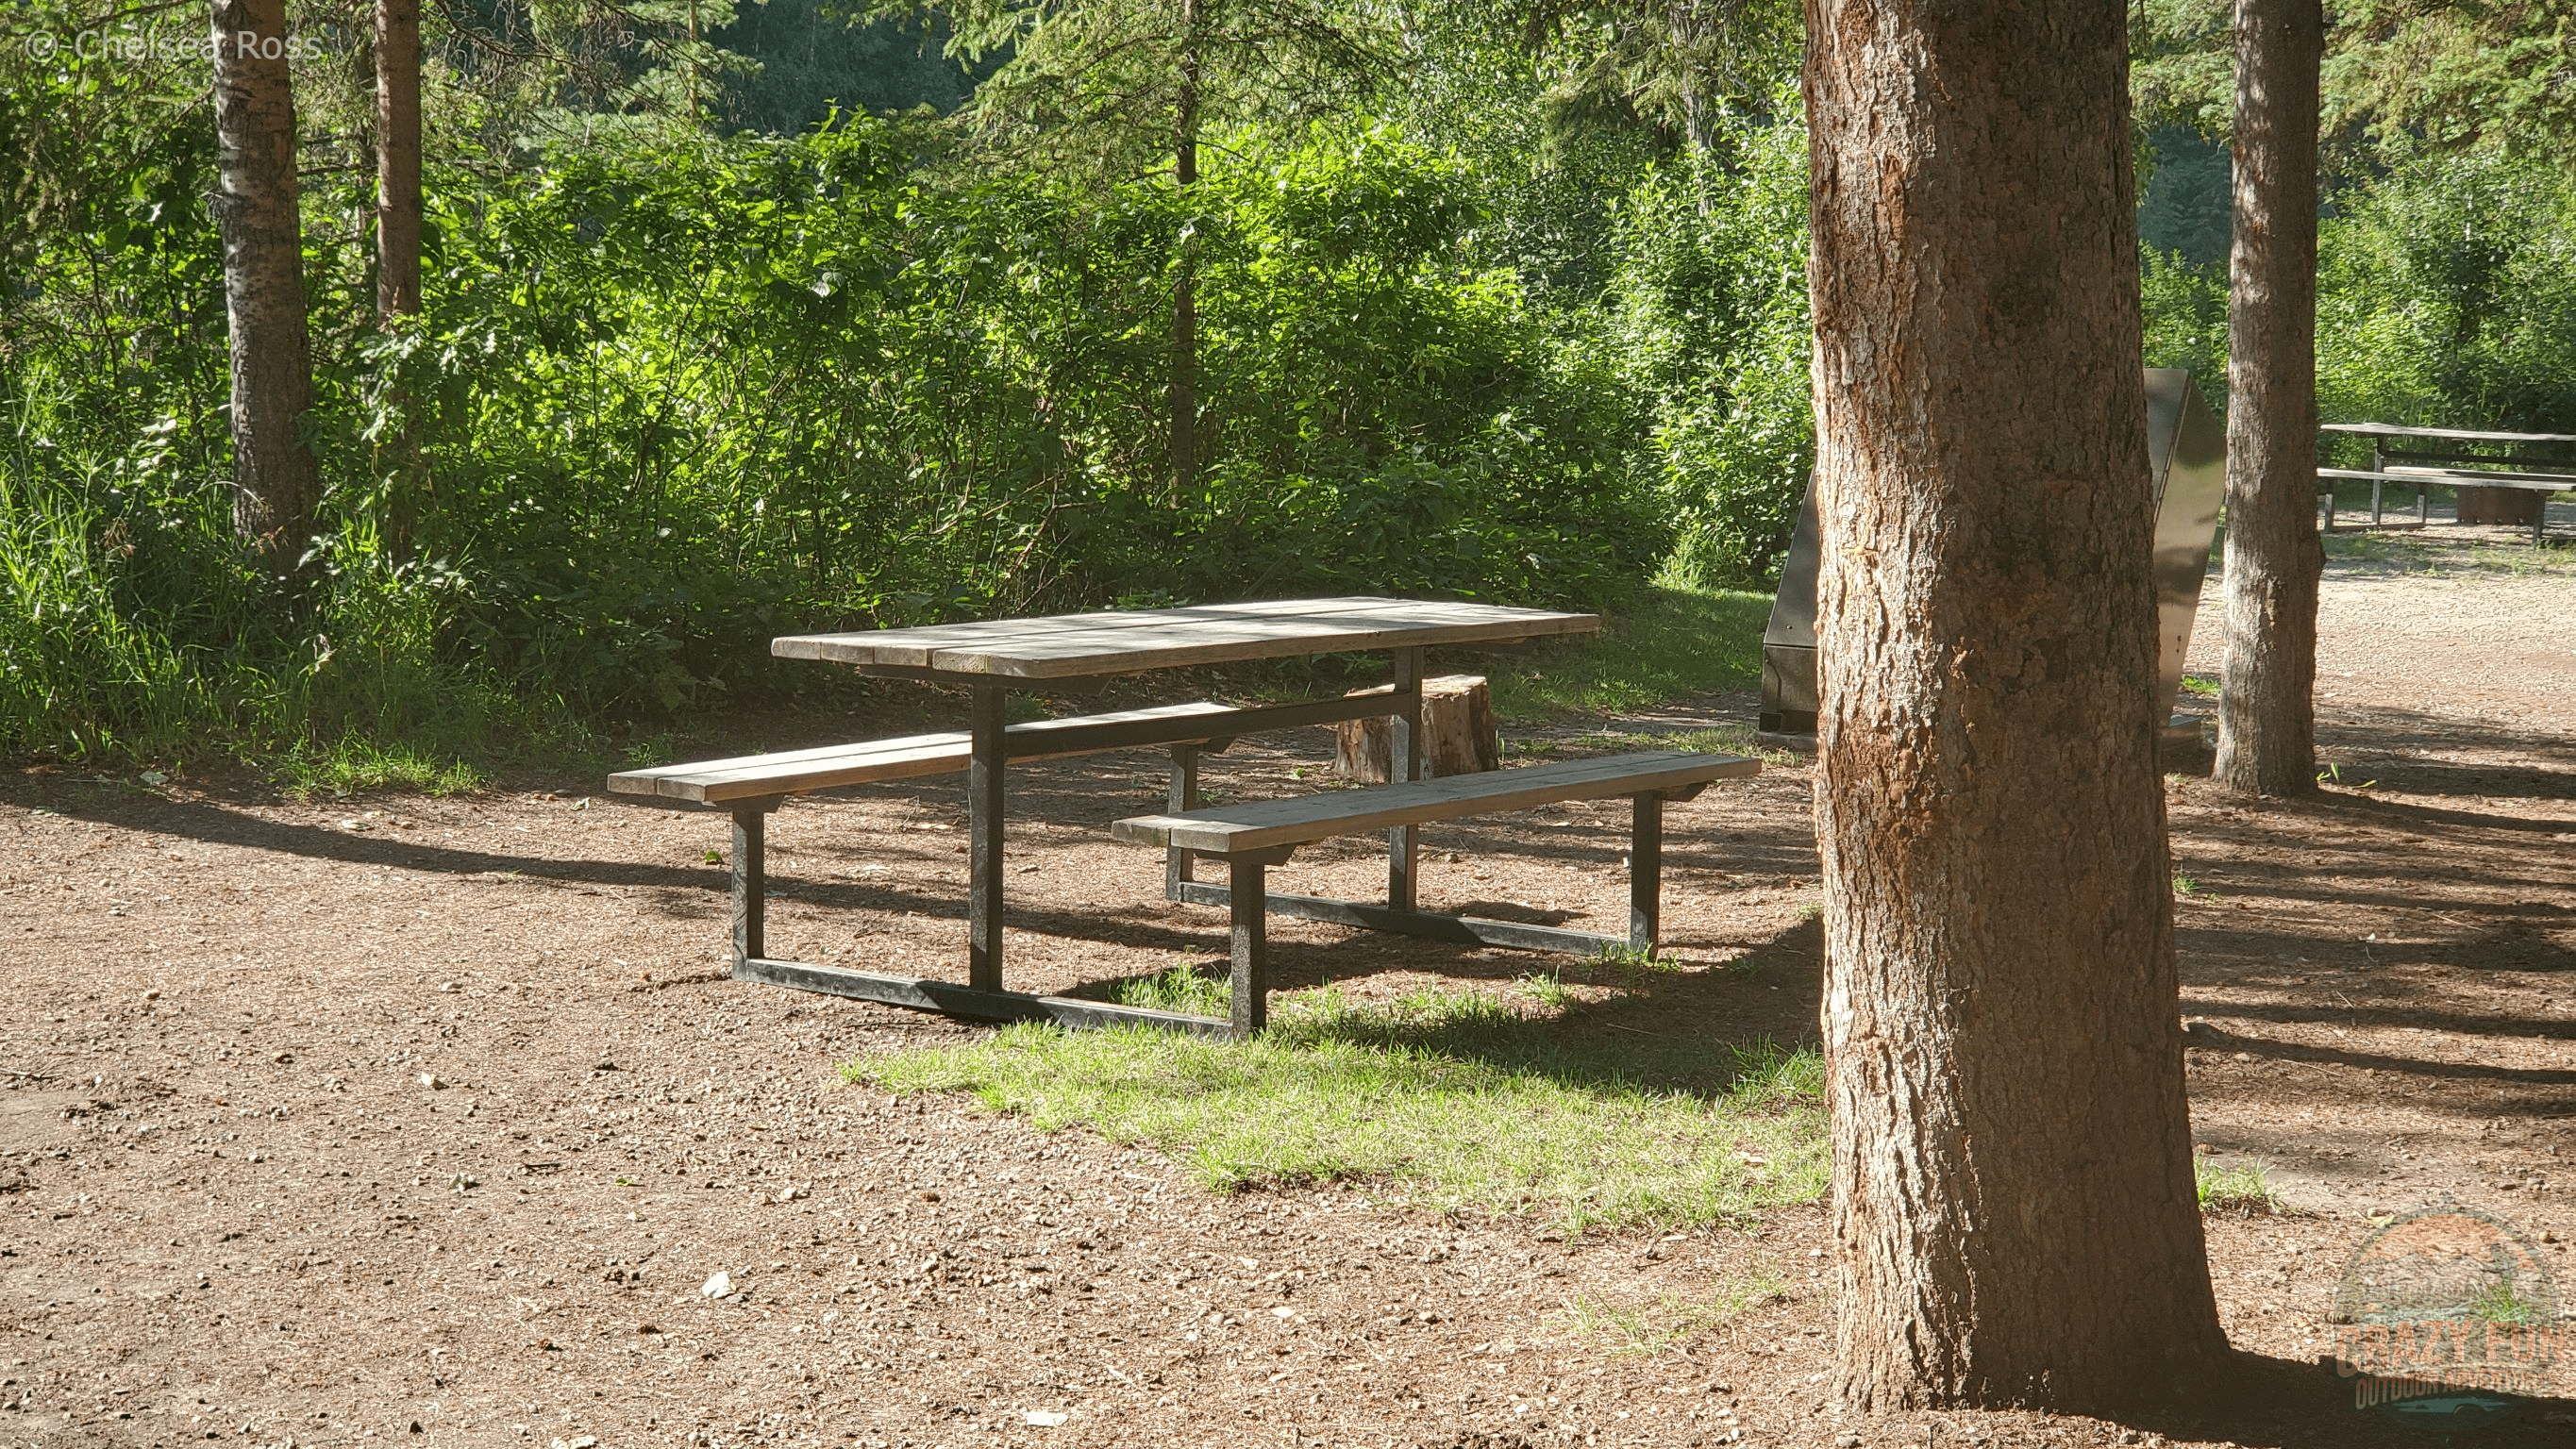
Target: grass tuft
1451 1100
354 763
1547 988
1190 988
2243 1189
1669 1320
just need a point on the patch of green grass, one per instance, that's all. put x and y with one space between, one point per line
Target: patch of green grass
2502 1302
1449 1100
2243 1188
2204 685
1669 1320
1672 644
353 763
1547 988
1620 956
2441 553
1189 988
1721 740
2185 886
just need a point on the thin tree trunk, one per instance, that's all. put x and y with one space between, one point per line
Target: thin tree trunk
2267 729
1185 306
278 488
2013 1214
398 201
398 228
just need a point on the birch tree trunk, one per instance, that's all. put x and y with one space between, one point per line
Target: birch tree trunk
2013 1212
2267 731
277 488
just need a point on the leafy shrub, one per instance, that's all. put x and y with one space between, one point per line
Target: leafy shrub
669 398
1710 325
2447 296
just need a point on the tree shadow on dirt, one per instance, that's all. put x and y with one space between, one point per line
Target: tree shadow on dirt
1619 1027
2263 1402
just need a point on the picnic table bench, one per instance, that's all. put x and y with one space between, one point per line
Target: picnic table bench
2426 464
1074 652
1255 835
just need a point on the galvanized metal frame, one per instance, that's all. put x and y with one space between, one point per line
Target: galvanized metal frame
1249 903
989 757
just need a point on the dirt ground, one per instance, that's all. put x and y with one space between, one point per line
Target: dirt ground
423 1121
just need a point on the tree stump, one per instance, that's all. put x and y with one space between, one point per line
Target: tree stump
2518 507
1457 727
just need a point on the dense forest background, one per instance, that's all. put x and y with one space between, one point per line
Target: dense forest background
749 317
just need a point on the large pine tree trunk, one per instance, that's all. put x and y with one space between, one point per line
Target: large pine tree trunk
2013 1210
255 204
2267 730
398 202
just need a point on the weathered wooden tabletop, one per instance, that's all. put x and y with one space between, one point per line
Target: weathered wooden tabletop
1128 641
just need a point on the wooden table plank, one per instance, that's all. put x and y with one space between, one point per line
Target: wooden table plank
914 648
1253 825
1079 645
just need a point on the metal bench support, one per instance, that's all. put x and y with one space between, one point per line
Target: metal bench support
1645 870
1249 903
984 843
1251 985
751 877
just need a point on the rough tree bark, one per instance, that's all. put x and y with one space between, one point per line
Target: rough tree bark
398 201
277 487
2267 729
2013 1210
398 226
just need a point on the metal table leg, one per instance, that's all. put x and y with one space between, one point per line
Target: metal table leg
751 881
1404 762
1248 904
984 840
1183 795
1646 871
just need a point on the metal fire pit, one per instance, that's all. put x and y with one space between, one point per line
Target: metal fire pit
2186 457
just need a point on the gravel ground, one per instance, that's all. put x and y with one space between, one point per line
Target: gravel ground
429 1121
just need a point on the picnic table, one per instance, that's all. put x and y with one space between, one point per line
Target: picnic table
1070 654
2427 463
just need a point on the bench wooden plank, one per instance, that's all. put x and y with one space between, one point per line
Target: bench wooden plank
831 766
2458 478
1080 645
2536 482
1298 820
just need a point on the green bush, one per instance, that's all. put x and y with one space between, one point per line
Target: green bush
2447 297
669 399
2186 318
1709 322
